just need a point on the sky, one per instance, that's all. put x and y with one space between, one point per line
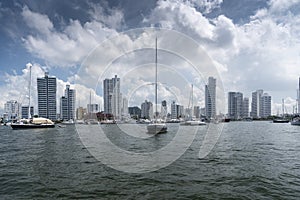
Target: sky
246 44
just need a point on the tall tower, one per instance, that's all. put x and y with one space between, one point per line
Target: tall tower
112 96
235 105
231 105
256 108
245 107
67 104
210 98
174 110
266 105
147 110
46 87
164 110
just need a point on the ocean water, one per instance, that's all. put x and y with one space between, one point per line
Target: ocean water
251 160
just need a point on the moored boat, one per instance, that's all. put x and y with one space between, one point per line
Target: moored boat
281 120
156 126
296 121
38 122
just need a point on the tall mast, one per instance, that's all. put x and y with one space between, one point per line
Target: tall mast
282 107
90 107
155 78
192 108
29 87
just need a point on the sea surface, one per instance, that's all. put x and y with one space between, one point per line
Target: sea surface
251 160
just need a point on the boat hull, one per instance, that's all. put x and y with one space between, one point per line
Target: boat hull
31 126
295 123
281 121
157 128
192 123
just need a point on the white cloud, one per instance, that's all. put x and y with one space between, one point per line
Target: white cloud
68 47
262 53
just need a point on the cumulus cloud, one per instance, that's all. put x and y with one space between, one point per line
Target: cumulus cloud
67 47
262 53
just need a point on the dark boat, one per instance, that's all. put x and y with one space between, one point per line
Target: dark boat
227 120
33 123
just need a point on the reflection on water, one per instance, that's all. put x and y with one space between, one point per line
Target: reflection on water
251 160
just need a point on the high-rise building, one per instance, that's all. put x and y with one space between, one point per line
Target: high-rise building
164 110
112 96
265 105
135 112
80 113
245 107
12 109
147 110
24 112
180 111
46 87
67 104
231 105
93 108
210 98
64 108
124 109
197 111
174 110
256 107
235 105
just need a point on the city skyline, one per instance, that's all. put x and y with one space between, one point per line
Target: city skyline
238 106
244 46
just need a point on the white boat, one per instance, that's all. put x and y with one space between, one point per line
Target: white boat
108 122
296 121
190 121
38 122
69 122
156 126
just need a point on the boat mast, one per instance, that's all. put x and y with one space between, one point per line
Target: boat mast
29 87
282 107
155 78
192 108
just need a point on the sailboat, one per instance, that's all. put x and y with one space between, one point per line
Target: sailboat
190 121
157 126
281 119
38 122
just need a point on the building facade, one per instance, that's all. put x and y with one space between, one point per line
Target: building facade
210 98
256 107
235 105
135 112
67 104
174 113
25 110
245 107
112 97
147 110
80 113
266 105
12 109
164 109
46 87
